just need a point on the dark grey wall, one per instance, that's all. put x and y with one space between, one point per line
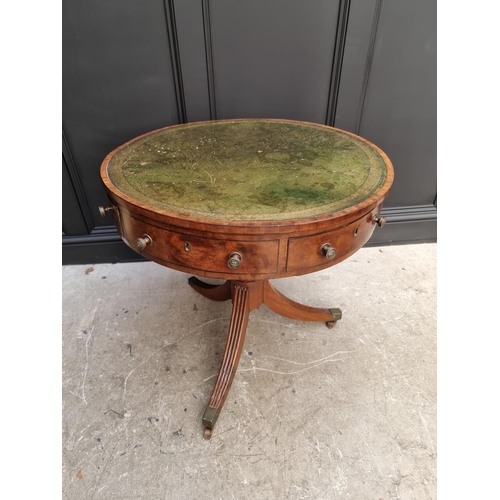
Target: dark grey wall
132 66
400 101
273 59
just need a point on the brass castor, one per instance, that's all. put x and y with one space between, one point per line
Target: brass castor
331 324
208 433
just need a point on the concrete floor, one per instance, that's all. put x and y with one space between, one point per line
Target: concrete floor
313 413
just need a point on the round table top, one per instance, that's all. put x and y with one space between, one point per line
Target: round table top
240 170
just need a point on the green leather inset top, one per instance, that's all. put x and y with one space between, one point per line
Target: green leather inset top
248 170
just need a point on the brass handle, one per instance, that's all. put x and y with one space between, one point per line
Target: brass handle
328 251
380 221
103 211
234 261
142 243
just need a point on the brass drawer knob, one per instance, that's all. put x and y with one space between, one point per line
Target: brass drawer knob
142 243
380 221
234 261
328 251
103 211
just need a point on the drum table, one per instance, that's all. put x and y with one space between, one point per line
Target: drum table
247 201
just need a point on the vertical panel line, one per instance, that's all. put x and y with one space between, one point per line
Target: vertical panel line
77 185
368 64
207 32
173 42
338 56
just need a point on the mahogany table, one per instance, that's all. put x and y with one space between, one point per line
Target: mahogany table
247 201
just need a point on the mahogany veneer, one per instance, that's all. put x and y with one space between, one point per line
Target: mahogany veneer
247 201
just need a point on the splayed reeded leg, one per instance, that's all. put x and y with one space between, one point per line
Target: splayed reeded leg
246 297
284 306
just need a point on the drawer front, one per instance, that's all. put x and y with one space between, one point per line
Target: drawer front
201 254
311 252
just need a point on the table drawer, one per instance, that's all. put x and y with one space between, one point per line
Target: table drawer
310 252
200 253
